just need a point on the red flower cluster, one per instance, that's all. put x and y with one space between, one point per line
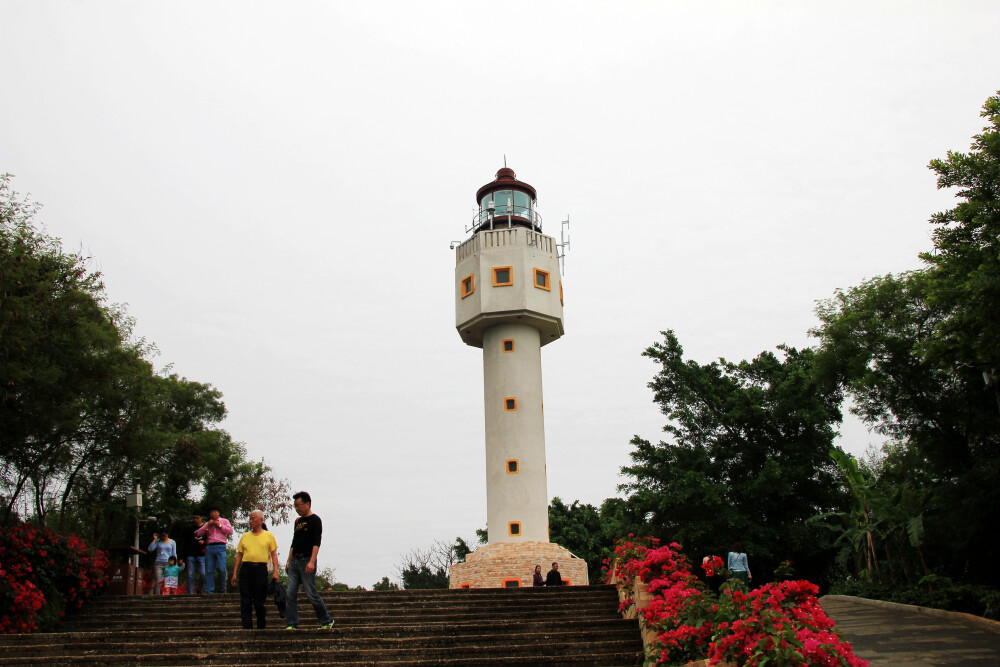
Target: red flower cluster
622 568
779 623
711 565
784 619
42 574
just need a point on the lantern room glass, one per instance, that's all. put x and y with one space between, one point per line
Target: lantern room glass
508 202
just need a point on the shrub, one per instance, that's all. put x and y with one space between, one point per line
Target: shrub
979 600
44 574
776 624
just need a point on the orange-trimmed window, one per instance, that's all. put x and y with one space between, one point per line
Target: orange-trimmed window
467 584
502 276
513 466
561 302
468 285
508 344
510 404
567 582
542 280
514 529
511 583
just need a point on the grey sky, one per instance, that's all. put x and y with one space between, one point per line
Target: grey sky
272 189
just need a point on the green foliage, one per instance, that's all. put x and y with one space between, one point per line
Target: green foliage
460 550
579 528
918 354
964 269
966 598
385 585
84 416
325 579
428 568
747 459
421 577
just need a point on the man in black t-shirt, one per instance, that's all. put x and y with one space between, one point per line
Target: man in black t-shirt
553 578
194 555
301 565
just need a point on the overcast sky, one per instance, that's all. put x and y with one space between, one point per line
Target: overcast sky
272 189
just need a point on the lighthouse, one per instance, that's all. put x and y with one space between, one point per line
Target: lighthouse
509 303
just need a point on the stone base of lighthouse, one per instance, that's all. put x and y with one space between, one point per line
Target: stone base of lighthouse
506 564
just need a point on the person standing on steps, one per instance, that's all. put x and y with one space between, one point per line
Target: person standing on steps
537 580
165 548
255 549
216 533
195 555
301 565
553 578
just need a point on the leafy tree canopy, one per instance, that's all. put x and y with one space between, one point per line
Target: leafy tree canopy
747 458
918 353
85 418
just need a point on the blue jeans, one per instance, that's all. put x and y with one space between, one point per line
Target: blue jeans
191 571
215 561
297 574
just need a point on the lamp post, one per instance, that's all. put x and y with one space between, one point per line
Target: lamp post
134 501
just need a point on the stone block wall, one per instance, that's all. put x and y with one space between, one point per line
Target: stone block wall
491 565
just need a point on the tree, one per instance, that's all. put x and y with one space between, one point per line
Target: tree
72 384
460 550
427 568
882 341
918 353
418 577
385 585
964 268
84 417
579 528
747 459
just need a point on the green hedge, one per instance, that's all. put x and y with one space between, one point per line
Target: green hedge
978 600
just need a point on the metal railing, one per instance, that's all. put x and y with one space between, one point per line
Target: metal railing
505 216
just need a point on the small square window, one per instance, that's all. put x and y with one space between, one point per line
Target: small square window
510 404
542 280
466 585
502 275
512 466
514 528
468 285
508 345
511 583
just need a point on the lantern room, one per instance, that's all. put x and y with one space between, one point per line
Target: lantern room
507 202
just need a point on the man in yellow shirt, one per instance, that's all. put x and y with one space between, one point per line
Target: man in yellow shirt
254 550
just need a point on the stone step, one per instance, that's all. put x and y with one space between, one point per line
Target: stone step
283 648
507 627
572 626
229 603
537 658
264 639
525 596
100 621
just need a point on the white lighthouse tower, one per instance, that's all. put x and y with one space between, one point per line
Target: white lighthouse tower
509 302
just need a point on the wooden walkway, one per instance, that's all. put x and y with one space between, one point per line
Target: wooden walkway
896 635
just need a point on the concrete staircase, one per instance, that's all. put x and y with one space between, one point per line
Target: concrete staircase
572 626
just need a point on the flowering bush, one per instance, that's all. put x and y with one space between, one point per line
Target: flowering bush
776 624
42 574
623 567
